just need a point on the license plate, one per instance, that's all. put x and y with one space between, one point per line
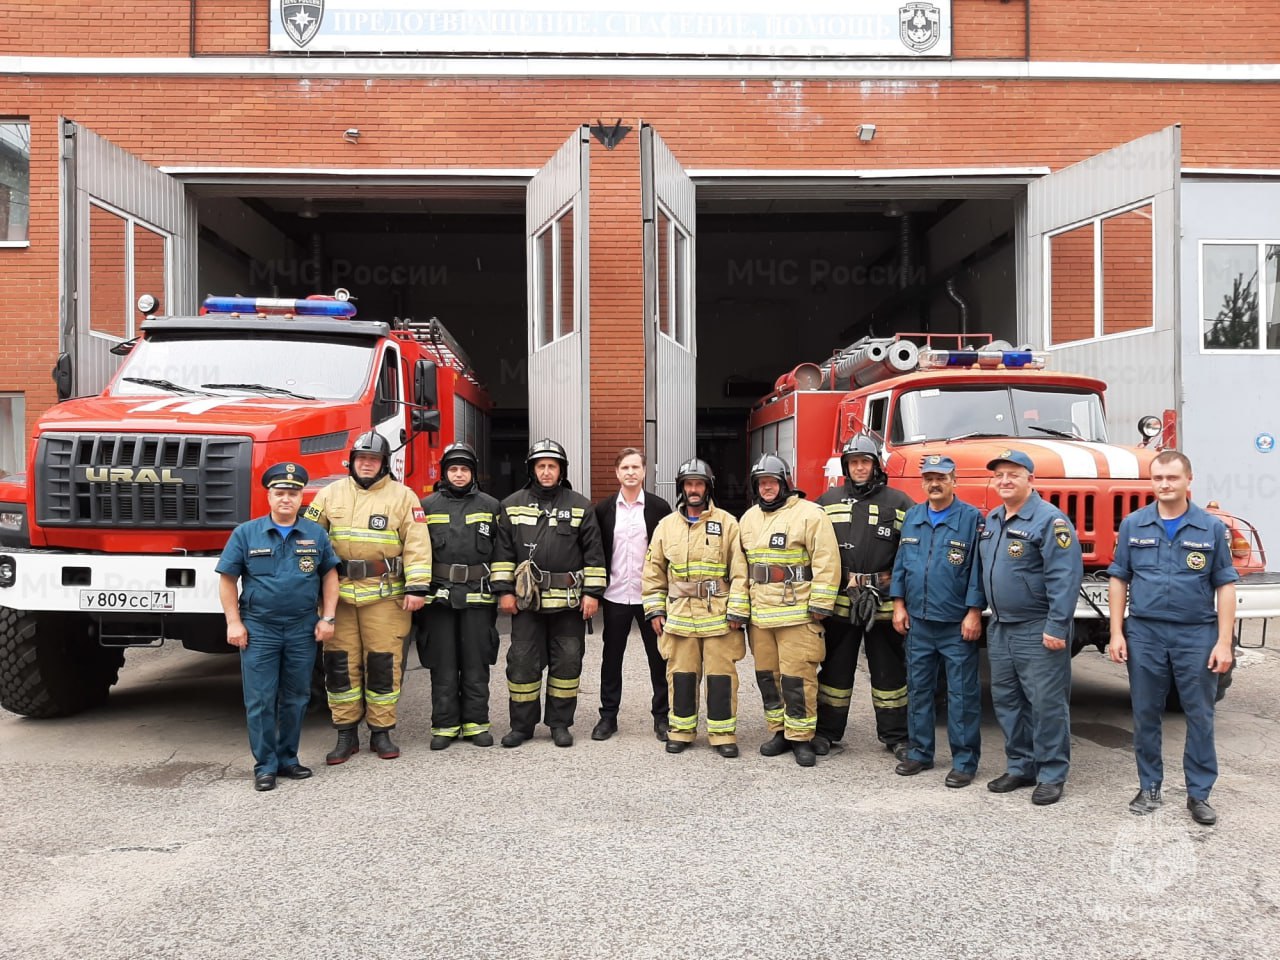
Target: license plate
135 601
1097 592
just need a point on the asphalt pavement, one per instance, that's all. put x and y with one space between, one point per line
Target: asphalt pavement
133 831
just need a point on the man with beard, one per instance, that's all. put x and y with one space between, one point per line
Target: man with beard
867 515
549 574
937 606
794 569
379 532
458 639
695 596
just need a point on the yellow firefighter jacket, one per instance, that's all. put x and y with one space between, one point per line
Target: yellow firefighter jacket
797 536
695 574
385 522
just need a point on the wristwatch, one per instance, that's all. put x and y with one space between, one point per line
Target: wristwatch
329 619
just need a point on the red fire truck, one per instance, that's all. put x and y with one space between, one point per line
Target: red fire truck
110 539
969 398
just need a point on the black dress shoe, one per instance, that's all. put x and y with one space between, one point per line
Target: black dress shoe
295 771
958 778
821 745
676 746
802 750
440 742
266 781
775 746
729 750
484 739
516 737
909 767
561 737
1201 812
1007 782
1046 793
605 729
660 728
1146 801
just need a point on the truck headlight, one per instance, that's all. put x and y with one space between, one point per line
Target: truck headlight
11 521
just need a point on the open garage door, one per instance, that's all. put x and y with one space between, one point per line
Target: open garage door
127 229
556 219
670 351
1100 276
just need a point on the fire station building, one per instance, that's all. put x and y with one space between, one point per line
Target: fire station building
635 217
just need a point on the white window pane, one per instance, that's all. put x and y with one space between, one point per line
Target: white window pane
1230 291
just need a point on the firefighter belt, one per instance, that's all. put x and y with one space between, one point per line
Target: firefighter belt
697 588
365 569
780 573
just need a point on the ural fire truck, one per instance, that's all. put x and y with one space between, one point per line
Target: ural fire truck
970 398
110 539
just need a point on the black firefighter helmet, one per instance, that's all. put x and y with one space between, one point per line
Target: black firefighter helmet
547 449
459 455
863 445
374 444
695 469
771 465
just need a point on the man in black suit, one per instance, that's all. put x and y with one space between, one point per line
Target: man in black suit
627 521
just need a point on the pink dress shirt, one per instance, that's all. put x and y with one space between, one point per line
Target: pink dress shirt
630 541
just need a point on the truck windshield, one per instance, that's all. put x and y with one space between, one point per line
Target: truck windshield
334 369
997 411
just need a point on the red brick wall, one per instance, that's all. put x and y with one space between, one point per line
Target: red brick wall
1127 293
1071 300
108 234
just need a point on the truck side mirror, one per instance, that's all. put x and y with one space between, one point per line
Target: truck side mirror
425 391
62 376
424 421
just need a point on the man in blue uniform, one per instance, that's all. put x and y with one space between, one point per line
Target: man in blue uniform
937 605
1173 560
288 569
1031 573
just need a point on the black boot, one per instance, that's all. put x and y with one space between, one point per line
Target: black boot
348 744
775 747
380 743
802 750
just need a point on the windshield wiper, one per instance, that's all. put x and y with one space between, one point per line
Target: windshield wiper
168 385
1056 433
260 388
974 433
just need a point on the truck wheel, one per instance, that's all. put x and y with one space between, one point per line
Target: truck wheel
51 664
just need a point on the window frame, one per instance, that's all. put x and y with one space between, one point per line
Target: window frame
130 266
1098 276
26 243
1263 301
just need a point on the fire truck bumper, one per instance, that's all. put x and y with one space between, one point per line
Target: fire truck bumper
1257 597
140 584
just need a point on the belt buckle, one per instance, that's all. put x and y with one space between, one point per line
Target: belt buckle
356 569
457 573
706 589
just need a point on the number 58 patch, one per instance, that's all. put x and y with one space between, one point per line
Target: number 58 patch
777 540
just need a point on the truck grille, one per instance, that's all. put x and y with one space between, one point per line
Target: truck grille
1097 516
142 480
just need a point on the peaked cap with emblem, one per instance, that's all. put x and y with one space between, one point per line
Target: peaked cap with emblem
938 464
289 475
1016 457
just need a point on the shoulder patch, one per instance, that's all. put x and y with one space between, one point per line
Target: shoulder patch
419 515
311 513
1062 536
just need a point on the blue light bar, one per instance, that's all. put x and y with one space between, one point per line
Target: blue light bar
1017 358
310 307
961 358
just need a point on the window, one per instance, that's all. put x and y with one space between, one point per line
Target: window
998 411
675 280
127 258
553 278
1100 278
13 431
385 401
15 182
1239 297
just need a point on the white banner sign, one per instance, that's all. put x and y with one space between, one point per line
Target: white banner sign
749 28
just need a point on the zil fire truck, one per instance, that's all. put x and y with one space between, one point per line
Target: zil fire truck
110 539
970 398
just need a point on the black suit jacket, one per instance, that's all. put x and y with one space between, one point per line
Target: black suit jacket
655 508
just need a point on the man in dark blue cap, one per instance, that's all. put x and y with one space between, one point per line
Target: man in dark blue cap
937 606
1031 573
288 569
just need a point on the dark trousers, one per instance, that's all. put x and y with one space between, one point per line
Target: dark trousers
545 641
931 643
461 644
887 661
1161 653
275 672
1031 693
618 618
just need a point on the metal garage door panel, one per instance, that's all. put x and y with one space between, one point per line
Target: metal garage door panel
96 170
1141 368
559 386
670 333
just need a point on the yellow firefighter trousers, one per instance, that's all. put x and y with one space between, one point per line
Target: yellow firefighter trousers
688 658
363 663
787 660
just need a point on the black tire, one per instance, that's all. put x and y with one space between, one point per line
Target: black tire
51 664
